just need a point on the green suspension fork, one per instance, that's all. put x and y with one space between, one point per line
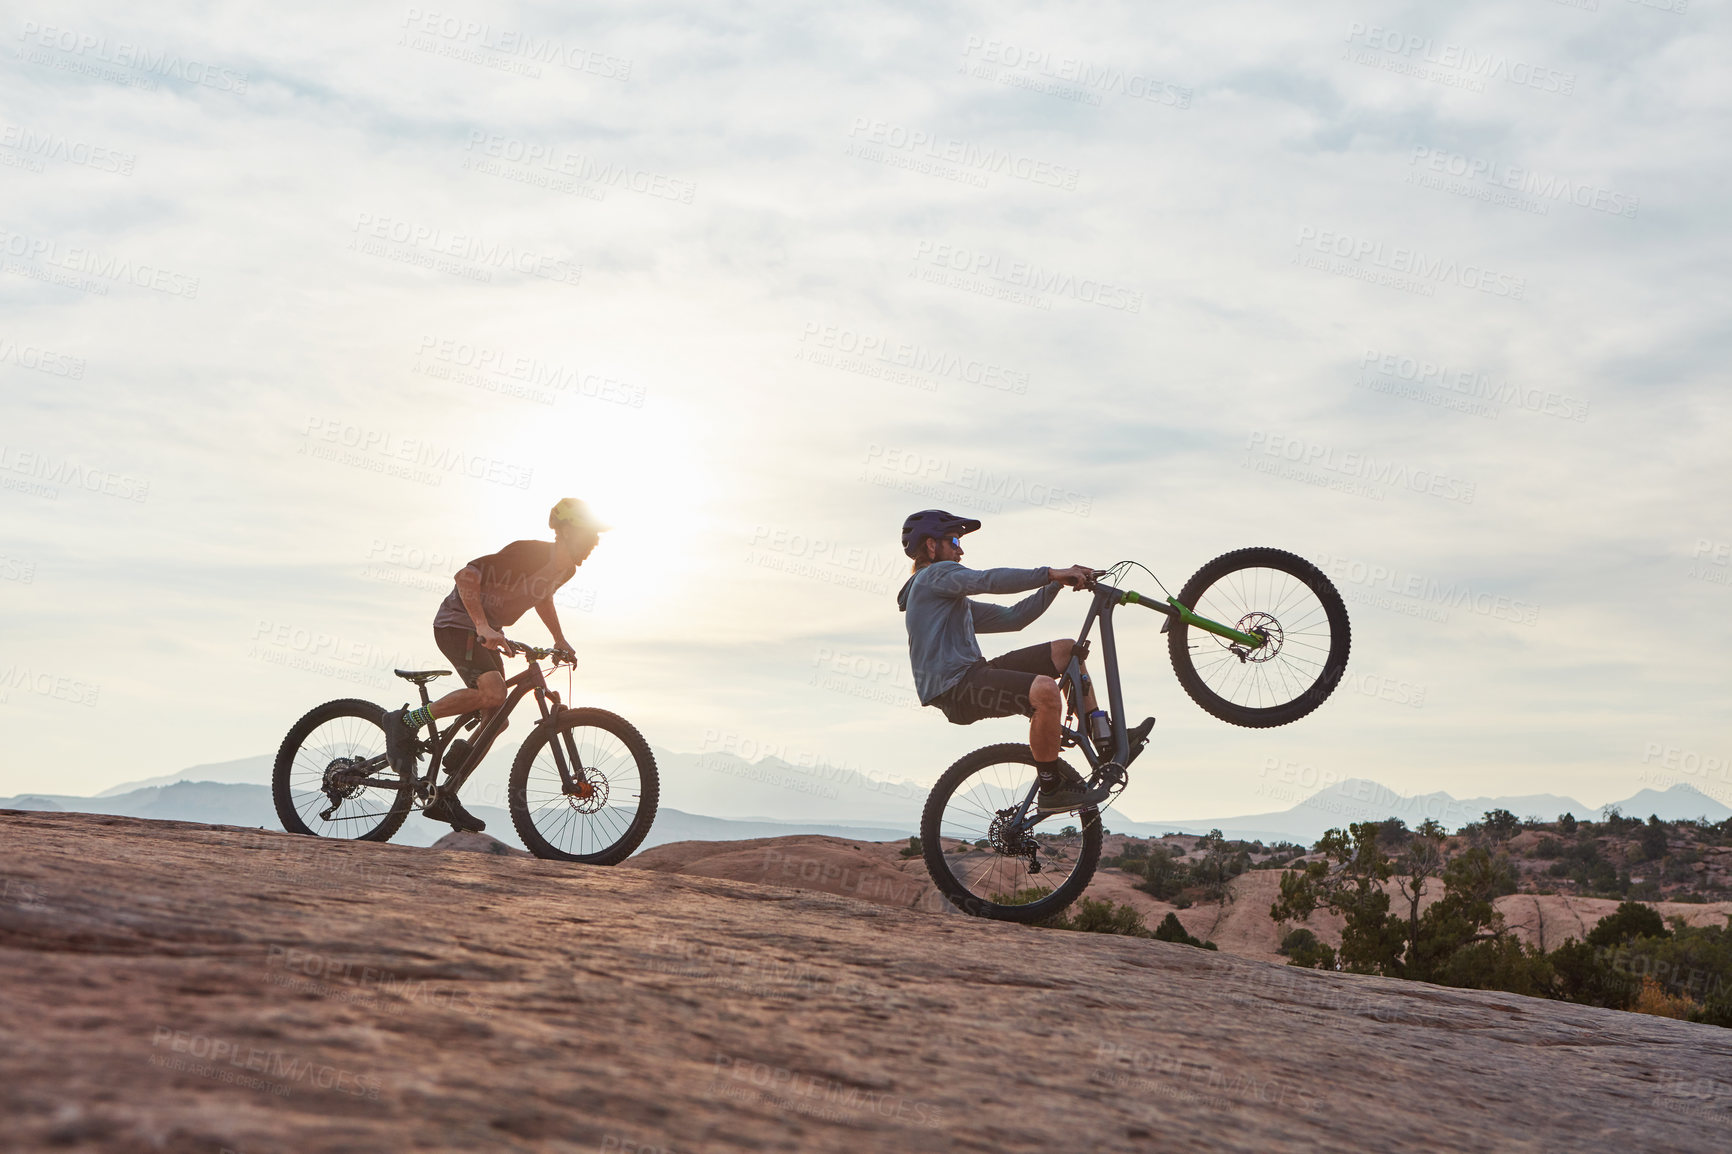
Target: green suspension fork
1172 608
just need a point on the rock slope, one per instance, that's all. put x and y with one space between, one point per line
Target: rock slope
166 986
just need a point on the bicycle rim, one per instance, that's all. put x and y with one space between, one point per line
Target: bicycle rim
586 828
1290 611
979 861
368 807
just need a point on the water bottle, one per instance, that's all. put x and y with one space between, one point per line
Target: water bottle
1100 727
456 754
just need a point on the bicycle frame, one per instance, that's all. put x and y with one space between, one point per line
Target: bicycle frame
1106 599
531 680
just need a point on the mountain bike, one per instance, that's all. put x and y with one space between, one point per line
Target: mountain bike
1281 658
583 786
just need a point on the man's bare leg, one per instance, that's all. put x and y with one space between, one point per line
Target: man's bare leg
1061 653
1043 738
1043 728
489 693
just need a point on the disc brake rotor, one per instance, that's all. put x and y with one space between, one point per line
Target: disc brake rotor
590 794
1269 629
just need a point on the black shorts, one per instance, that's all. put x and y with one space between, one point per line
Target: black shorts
464 650
997 688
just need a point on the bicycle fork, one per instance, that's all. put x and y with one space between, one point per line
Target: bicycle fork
565 756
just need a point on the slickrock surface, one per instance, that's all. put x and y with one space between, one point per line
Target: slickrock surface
166 986
877 872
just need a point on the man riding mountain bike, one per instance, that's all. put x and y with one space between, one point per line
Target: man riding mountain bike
951 674
489 594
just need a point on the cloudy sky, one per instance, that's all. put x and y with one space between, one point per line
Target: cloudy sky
304 308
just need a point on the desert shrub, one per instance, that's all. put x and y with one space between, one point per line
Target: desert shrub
912 849
1652 840
1655 1000
1094 916
1567 823
1617 824
1172 930
1584 974
1089 915
1629 921
1163 878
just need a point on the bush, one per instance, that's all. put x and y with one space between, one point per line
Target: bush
1172 930
1499 963
1628 922
912 849
1163 877
1567 823
1089 915
1303 949
1093 916
1653 840
1656 1001
1501 824
1584 974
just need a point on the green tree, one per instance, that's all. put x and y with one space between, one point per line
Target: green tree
1463 917
1349 881
1631 920
1567 823
1163 877
1584 974
1653 839
1501 824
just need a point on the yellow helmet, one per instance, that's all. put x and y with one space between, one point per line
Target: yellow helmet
575 514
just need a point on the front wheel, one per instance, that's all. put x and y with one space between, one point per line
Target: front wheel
607 811
988 862
331 778
1293 605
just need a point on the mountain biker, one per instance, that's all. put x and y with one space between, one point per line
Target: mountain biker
489 594
951 674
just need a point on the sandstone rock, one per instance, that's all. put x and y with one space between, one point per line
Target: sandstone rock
166 986
462 839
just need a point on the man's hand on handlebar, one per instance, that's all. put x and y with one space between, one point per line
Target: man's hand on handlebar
562 655
1075 577
495 641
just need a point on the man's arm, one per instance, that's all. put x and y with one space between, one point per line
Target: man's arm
468 581
550 618
951 579
989 618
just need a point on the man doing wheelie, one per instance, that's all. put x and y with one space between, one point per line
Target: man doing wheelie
951 674
489 594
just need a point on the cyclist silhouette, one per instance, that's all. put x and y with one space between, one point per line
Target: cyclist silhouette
489 594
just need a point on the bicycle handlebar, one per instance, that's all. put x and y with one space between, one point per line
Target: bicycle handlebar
540 653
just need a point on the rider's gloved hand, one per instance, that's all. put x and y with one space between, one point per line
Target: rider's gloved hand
562 655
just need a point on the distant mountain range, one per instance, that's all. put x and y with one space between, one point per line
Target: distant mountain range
1359 799
243 804
238 793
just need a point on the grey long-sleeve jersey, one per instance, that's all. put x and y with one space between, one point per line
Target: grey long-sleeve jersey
942 621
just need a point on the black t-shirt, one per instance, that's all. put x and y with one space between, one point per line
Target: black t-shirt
512 580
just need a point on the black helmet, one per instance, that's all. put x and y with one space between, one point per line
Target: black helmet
933 523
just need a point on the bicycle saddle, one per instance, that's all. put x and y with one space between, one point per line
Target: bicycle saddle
421 676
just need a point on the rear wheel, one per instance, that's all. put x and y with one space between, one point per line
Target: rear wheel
609 812
1289 601
331 778
982 862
